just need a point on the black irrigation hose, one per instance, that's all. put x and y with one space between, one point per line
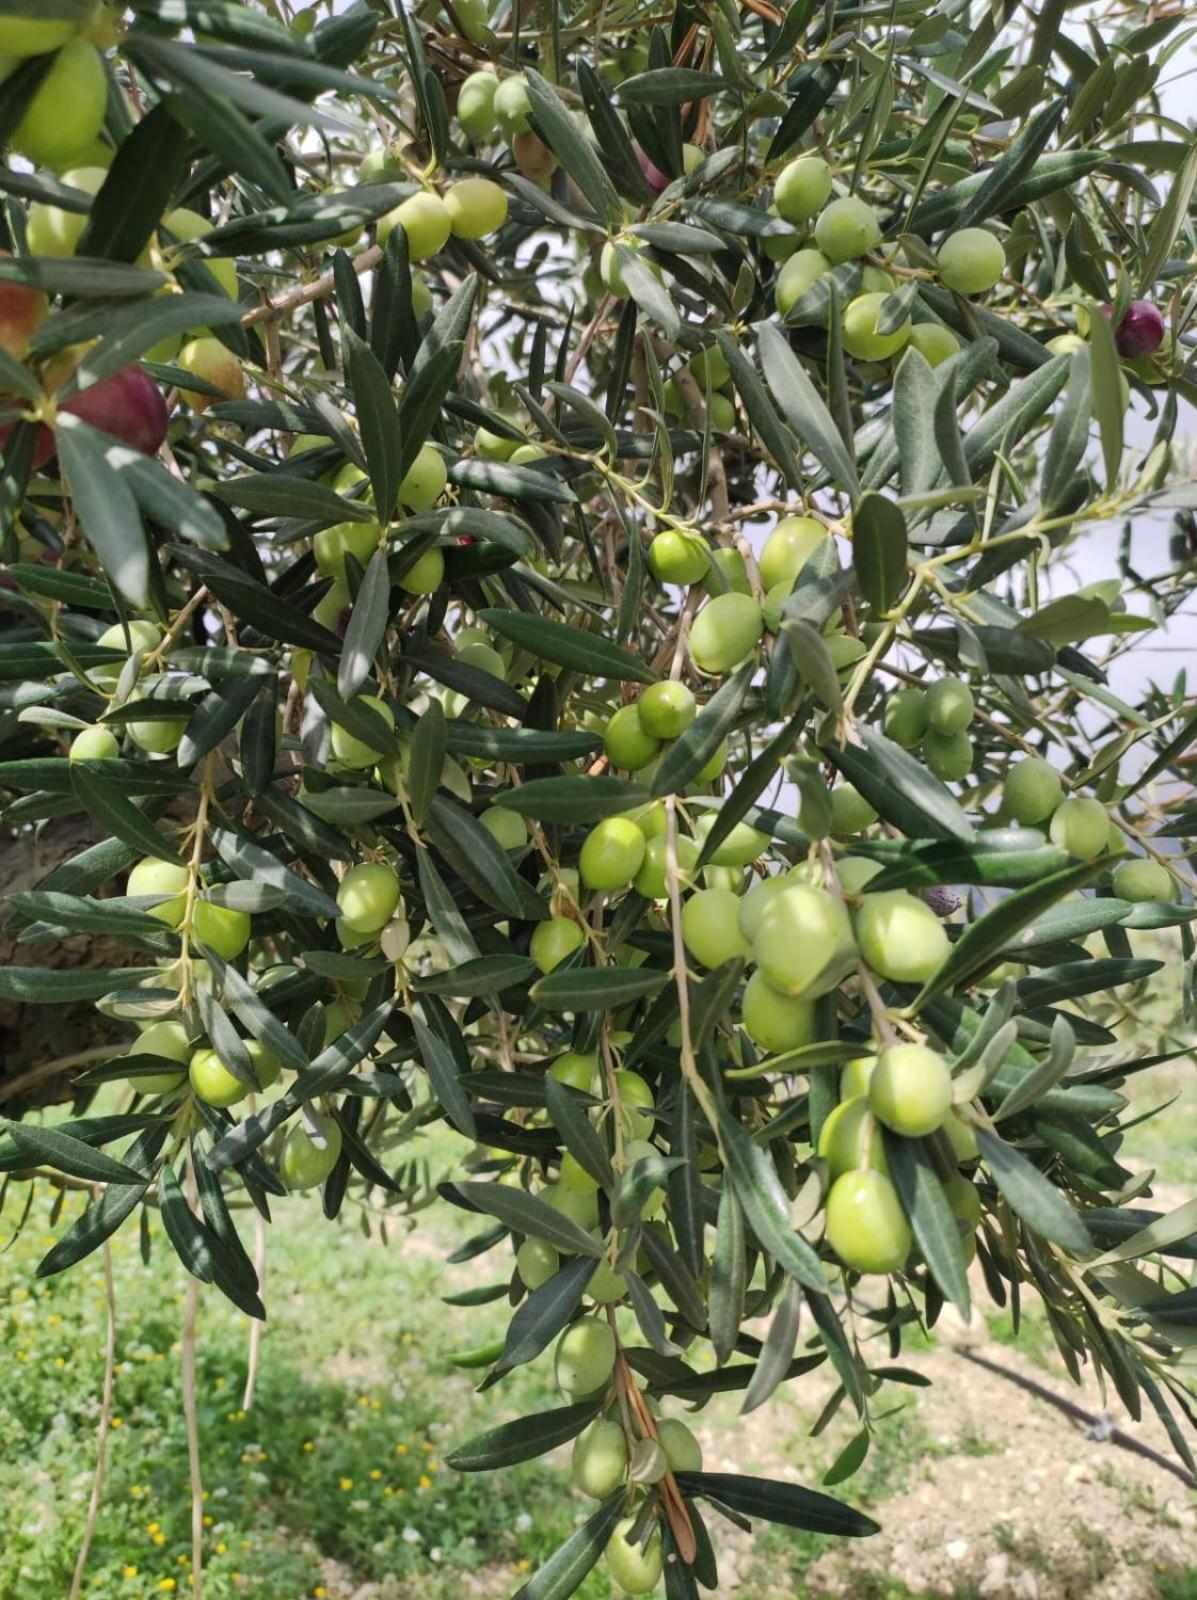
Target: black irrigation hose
1099 1426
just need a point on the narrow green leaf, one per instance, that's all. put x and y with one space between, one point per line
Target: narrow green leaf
879 545
983 940
1035 1198
900 787
787 1503
931 1218
446 1081
522 1440
803 407
55 1147
562 1574
106 507
597 988
567 646
765 1205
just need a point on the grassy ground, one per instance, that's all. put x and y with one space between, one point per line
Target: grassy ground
333 1484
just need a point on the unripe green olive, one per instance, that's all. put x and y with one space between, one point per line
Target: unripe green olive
1081 827
512 106
935 343
157 735
1142 880
368 896
866 1226
854 872
492 446
847 229
850 811
424 218
861 338
606 1286
507 828
652 880
962 1196
802 188
626 742
215 1084
776 1022
741 846
710 929
906 716
575 1068
208 359
732 568
971 260
611 854
476 207
636 1101
636 1570
851 1138
709 366
753 902
677 557
151 876
948 755
476 105
305 1163
553 940
67 109
424 481
900 937
536 1261
854 1079
600 1459
221 928
331 545
682 1449
803 943
94 744
574 1175
666 709
579 1205
788 548
25 36
51 231
353 752
911 1090
171 1041
725 631
426 574
714 766
585 1356
1032 790
950 706
798 275
962 1138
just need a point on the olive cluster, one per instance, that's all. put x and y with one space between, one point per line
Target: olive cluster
610 1455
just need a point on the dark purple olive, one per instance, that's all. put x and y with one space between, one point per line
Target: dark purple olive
942 900
1141 331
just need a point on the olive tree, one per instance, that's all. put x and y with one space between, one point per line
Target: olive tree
564 570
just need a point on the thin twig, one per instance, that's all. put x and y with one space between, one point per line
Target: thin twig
256 1324
191 1419
97 1482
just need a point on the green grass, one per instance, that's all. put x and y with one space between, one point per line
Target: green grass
340 1459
